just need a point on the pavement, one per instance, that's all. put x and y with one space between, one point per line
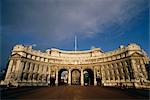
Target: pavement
73 93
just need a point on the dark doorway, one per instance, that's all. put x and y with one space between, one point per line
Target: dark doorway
88 77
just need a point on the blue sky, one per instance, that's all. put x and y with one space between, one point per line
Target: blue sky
54 23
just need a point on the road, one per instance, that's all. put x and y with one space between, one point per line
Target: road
73 93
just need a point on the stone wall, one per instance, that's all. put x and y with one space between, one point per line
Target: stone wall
123 66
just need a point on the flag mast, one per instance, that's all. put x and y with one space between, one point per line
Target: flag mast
75 43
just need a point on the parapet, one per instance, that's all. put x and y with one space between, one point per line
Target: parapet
134 46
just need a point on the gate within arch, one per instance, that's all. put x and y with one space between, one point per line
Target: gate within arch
88 77
63 77
75 77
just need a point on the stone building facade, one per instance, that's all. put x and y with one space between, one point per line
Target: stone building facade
123 66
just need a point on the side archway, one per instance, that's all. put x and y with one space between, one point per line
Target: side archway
88 77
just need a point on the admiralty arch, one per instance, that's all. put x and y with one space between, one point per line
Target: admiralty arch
126 65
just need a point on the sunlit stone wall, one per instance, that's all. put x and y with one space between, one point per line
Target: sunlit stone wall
123 66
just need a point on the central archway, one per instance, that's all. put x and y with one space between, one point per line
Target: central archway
75 77
88 77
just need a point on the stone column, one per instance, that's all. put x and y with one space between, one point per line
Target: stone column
135 70
35 68
31 71
122 72
49 72
31 68
95 82
103 74
20 71
108 72
126 71
39 73
9 69
56 80
113 74
26 67
117 71
18 66
14 66
82 78
144 72
34 72
69 77
16 69
128 74
118 74
44 73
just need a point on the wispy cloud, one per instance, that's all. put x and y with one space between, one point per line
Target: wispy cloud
62 19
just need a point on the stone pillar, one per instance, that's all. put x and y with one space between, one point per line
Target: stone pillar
49 74
30 71
143 69
35 71
128 74
56 78
35 68
44 73
69 77
18 65
118 74
14 67
26 67
135 70
9 69
122 72
82 78
108 72
31 68
39 73
95 82
113 74
103 74
20 71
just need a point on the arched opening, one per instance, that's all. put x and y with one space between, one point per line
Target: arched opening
75 77
62 77
88 77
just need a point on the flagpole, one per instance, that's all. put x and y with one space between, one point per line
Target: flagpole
75 43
